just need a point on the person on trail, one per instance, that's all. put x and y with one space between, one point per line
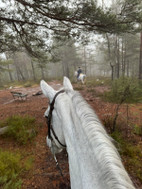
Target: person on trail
79 71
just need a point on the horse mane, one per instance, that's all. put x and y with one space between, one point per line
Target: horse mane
111 169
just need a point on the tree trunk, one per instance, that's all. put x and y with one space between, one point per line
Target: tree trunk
21 74
117 58
0 80
85 60
9 72
127 68
17 73
109 54
42 72
65 65
66 68
112 71
33 70
63 68
140 60
123 56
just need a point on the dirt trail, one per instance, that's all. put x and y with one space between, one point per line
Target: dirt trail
44 174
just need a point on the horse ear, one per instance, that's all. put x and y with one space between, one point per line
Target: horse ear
67 84
48 91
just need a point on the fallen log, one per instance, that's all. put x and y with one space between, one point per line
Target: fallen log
3 130
37 93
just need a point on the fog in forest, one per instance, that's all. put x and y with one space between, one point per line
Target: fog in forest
109 54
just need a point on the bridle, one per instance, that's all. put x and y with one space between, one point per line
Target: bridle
50 128
49 119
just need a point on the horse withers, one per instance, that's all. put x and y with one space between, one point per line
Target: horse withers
94 162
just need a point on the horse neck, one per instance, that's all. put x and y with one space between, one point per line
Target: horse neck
80 163
93 160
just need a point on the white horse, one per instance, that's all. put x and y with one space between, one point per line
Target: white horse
82 77
94 162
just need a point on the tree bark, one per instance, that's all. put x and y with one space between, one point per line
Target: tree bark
42 72
109 54
140 59
127 68
123 56
118 58
9 72
85 60
10 75
33 70
21 74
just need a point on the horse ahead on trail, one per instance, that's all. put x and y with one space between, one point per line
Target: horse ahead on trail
81 78
94 162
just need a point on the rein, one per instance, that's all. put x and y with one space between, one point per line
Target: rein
49 119
50 128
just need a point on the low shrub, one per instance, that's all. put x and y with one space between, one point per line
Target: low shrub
127 88
131 152
27 84
12 167
22 129
137 129
93 82
78 88
10 170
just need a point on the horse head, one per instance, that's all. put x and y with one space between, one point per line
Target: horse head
55 139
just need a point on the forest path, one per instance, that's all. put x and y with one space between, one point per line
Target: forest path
44 174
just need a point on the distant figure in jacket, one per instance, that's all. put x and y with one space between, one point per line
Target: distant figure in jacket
79 71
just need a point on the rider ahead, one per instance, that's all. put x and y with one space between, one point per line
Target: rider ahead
79 71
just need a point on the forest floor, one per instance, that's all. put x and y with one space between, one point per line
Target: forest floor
44 174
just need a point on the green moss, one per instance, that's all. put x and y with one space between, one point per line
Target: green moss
22 129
